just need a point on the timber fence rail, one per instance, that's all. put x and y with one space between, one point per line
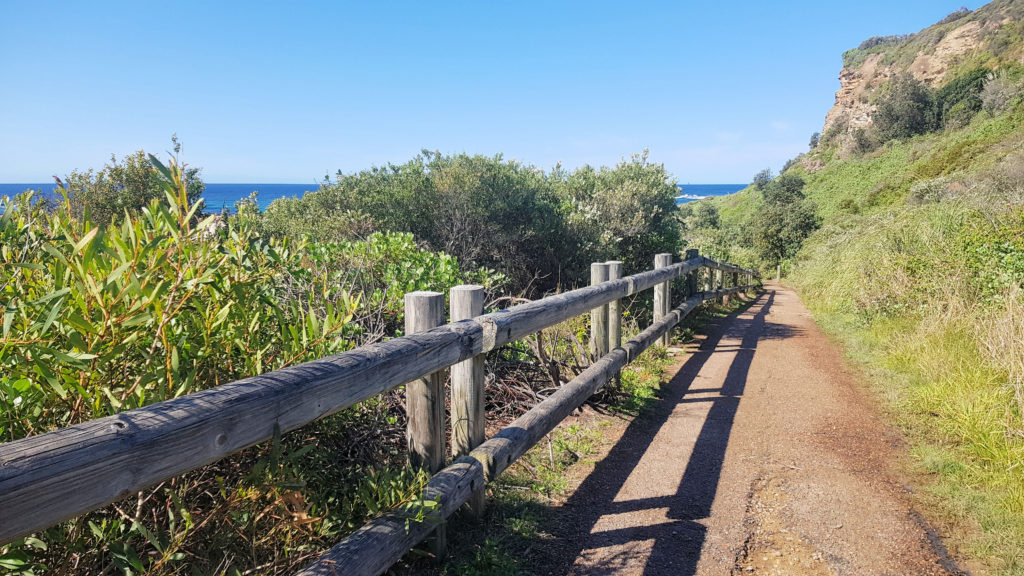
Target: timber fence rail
52 477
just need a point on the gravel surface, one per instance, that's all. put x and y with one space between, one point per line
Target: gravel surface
763 457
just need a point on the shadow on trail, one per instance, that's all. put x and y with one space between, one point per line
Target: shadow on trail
677 543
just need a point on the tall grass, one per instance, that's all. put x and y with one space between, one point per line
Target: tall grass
912 291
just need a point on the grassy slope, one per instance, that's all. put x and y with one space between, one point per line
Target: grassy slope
887 276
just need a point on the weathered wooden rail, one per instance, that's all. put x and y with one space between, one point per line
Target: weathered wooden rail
55 476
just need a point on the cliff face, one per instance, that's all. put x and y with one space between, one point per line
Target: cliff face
989 37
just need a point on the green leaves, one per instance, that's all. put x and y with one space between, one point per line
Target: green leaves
107 318
98 319
18 557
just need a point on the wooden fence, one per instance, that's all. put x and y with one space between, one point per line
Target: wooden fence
56 476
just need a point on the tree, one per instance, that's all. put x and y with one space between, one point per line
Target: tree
125 186
785 189
906 109
783 219
960 99
624 213
762 178
705 215
488 212
815 139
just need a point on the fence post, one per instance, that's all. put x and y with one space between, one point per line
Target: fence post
726 279
424 399
599 315
662 295
468 396
614 314
691 278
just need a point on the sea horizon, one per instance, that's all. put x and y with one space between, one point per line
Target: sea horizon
220 196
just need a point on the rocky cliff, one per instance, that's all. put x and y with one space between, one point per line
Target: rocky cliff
988 37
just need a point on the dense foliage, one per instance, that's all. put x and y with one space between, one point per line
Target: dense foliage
783 220
99 318
906 109
123 293
539 230
960 99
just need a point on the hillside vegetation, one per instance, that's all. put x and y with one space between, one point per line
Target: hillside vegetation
918 268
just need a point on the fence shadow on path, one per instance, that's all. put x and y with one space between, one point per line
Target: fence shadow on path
677 543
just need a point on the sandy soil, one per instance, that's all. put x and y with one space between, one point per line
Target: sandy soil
763 457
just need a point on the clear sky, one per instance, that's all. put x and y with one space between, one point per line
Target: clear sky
291 91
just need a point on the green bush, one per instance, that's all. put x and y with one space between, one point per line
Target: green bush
995 254
999 93
625 213
783 219
381 270
906 109
486 212
99 319
960 99
123 187
540 231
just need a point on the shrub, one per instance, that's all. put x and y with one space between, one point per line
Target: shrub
705 215
880 41
486 212
865 141
960 99
955 15
762 178
783 219
906 109
539 231
998 94
99 320
849 205
624 213
96 320
120 187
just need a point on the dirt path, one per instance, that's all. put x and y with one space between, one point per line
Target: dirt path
764 457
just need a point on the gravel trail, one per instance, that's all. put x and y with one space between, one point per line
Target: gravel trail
764 456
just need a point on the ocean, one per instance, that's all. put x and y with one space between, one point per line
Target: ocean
219 196
692 192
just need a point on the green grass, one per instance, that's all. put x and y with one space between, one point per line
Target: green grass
956 411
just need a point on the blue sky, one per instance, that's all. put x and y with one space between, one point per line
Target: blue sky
292 91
